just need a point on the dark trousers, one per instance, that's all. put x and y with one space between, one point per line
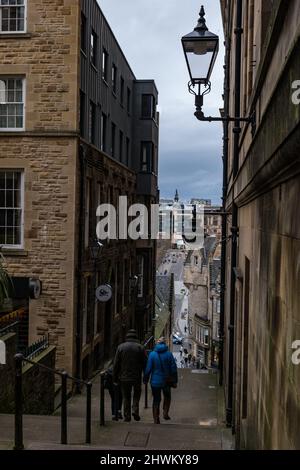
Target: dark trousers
116 399
127 388
156 392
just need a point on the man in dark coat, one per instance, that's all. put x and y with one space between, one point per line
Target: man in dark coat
129 364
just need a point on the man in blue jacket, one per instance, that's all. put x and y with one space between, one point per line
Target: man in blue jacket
162 369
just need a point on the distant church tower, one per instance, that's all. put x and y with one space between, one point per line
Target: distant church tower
176 199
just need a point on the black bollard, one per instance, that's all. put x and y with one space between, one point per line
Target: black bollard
102 409
88 413
64 424
18 403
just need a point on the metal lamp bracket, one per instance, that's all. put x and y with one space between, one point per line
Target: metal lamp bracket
200 114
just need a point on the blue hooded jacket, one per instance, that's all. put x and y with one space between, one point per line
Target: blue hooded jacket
161 363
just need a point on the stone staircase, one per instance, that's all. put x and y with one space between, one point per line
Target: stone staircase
197 422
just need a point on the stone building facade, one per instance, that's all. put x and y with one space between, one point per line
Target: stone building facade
202 278
262 318
76 130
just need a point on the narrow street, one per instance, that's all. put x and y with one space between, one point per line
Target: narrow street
173 263
196 412
149 187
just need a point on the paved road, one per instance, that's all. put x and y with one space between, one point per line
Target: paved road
169 267
174 263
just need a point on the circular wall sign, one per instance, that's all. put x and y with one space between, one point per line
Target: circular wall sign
104 293
35 288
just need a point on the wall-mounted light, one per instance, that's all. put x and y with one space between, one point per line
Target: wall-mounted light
201 49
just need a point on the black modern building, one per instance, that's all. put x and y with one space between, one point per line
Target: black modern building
119 126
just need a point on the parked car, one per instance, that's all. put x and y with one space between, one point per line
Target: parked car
177 339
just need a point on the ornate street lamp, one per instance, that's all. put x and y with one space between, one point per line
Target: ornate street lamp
201 49
95 249
133 282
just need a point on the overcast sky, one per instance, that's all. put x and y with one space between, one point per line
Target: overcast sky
149 32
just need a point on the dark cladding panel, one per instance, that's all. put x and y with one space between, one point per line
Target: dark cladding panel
92 84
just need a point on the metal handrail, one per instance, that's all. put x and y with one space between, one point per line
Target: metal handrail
19 360
148 341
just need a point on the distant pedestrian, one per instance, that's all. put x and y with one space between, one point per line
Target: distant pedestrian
181 351
129 364
185 329
193 361
189 359
185 357
115 393
162 372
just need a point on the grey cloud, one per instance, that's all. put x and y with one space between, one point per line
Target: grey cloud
149 32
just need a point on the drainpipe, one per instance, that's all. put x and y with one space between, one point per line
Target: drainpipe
234 229
225 187
79 265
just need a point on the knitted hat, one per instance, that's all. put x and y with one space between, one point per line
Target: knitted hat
132 334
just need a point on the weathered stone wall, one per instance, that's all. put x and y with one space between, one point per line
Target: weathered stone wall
266 191
113 180
49 213
47 56
7 378
274 382
38 384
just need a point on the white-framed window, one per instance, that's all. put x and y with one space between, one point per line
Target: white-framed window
13 16
12 104
11 208
206 337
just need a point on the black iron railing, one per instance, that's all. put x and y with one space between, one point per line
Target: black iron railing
36 348
19 326
19 360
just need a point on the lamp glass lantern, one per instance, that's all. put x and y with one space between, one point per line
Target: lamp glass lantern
95 249
201 49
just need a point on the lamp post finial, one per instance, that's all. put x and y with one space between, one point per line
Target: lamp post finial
201 26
